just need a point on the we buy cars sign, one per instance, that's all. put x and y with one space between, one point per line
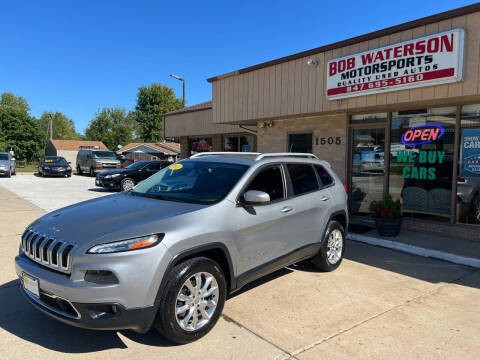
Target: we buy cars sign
430 60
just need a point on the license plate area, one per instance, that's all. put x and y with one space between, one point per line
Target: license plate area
30 284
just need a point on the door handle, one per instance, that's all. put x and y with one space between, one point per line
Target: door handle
286 209
325 198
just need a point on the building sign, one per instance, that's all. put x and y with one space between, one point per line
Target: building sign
470 153
430 60
423 134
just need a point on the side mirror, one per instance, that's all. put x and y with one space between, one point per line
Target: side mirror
252 197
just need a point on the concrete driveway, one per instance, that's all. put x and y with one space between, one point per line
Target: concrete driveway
380 304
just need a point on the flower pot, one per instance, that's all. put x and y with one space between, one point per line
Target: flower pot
388 227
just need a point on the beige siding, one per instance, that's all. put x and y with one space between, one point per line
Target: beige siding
196 123
275 139
293 87
70 156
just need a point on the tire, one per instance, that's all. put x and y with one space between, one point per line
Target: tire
92 172
69 175
9 174
127 184
332 250
79 170
15 171
167 323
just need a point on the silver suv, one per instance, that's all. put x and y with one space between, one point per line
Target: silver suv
8 165
168 252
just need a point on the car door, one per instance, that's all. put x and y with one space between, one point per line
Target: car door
311 199
263 234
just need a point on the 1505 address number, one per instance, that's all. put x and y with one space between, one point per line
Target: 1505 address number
330 140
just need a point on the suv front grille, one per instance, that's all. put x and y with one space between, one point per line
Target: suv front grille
47 250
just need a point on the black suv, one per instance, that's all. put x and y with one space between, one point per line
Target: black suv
126 178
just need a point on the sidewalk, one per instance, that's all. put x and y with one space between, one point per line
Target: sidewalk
458 251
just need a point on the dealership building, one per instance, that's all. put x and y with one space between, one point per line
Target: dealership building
395 111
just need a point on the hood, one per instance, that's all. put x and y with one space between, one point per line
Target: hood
110 218
111 172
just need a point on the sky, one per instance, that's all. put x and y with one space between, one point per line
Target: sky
78 56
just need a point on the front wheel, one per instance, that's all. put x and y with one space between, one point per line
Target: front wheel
127 184
192 300
332 249
9 174
476 210
79 170
92 172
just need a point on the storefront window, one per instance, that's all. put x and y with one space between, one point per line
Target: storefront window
300 143
468 181
367 168
368 118
198 145
421 161
238 143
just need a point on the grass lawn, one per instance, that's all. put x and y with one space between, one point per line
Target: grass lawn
28 168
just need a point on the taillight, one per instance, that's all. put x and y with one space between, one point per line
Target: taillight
345 187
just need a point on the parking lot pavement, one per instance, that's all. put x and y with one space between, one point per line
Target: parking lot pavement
51 193
379 304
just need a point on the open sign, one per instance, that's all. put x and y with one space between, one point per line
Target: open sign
423 134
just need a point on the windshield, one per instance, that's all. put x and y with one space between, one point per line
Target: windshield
103 155
55 160
135 166
192 181
3 156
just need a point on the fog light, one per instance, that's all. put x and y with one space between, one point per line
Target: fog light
101 311
101 277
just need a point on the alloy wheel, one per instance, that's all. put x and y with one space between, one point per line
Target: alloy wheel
334 246
196 301
127 184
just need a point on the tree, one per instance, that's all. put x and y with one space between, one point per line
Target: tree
152 102
112 126
21 133
63 127
8 100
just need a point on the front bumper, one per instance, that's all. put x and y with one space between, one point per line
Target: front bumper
128 304
60 172
107 183
93 316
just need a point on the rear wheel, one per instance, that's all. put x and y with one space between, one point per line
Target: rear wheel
127 184
192 300
476 209
332 250
79 170
92 172
9 174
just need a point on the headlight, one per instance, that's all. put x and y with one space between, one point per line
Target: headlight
112 176
69 168
127 245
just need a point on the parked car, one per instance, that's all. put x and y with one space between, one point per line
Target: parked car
8 165
54 166
95 161
128 177
168 257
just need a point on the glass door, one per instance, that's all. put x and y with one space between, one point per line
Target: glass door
367 168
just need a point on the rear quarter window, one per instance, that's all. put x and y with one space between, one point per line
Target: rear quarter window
303 178
324 176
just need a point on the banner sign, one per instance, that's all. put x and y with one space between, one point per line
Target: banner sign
430 60
470 153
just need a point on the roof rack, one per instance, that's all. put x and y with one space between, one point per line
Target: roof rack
301 155
258 156
224 153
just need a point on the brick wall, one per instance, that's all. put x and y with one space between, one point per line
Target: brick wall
275 138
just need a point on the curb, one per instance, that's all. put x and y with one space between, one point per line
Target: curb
416 250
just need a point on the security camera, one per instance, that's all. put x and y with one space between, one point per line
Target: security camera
312 62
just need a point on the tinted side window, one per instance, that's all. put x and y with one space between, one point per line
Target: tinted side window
303 178
325 178
153 167
269 181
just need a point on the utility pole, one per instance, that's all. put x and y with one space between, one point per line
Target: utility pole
50 125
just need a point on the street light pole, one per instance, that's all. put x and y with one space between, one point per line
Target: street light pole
183 81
